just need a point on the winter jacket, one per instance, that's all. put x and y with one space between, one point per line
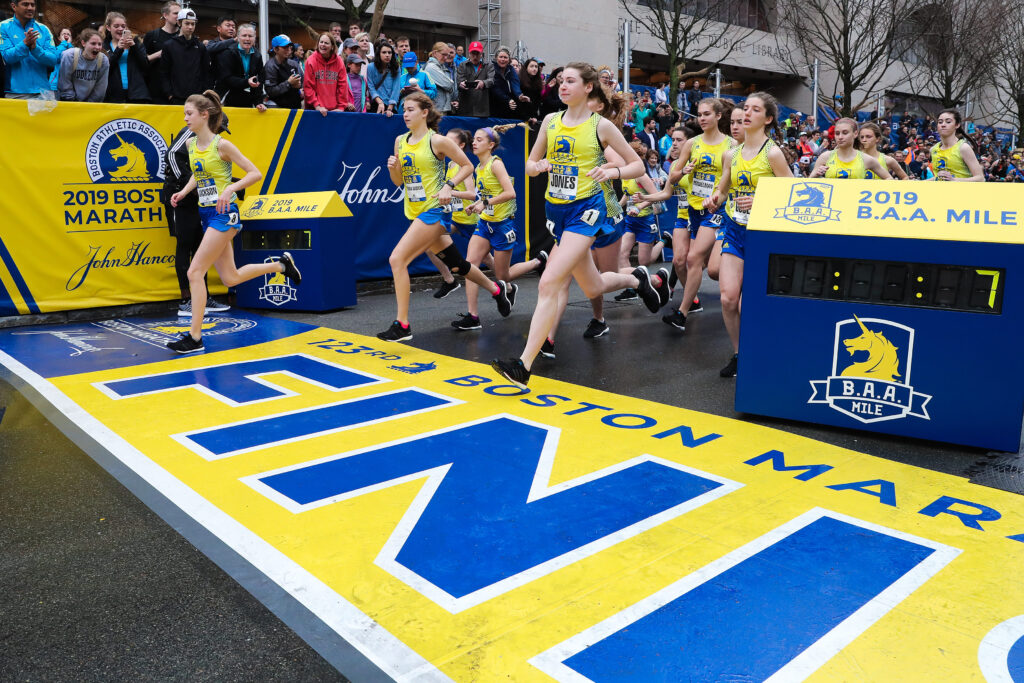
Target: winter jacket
154 42
473 102
326 83
233 78
276 85
444 84
506 87
425 83
85 81
28 70
55 74
136 63
384 86
185 68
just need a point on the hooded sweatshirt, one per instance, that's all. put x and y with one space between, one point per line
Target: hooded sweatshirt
325 83
84 82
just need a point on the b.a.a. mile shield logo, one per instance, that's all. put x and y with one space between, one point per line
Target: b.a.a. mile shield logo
126 151
809 203
870 380
277 289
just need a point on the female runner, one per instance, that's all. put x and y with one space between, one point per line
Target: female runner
570 149
745 164
211 157
737 133
418 165
954 156
846 161
496 230
455 216
869 136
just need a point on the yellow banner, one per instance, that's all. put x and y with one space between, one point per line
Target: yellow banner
975 212
265 207
83 222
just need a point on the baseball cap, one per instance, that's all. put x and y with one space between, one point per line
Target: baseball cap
281 41
186 14
349 43
409 59
540 61
476 46
354 59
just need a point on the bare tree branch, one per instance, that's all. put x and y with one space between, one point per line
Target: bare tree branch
1007 77
353 10
290 11
378 19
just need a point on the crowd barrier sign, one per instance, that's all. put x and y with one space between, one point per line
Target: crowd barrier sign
84 225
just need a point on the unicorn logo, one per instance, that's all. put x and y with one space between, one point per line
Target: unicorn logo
940 164
707 160
842 173
125 151
255 208
563 150
809 203
866 382
414 368
277 289
883 361
745 179
407 161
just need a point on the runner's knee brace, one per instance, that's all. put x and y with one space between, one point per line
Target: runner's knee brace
454 260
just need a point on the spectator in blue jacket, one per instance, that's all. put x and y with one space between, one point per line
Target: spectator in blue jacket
505 93
413 78
382 80
28 50
64 46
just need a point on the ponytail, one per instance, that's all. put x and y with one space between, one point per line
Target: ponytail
209 102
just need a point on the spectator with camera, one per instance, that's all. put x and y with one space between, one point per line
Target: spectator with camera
413 78
126 81
506 95
83 70
27 49
475 79
185 67
240 72
382 79
153 42
444 85
282 76
325 85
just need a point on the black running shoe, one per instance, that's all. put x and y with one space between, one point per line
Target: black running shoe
186 344
466 322
647 292
502 299
666 239
290 271
446 288
676 320
627 295
547 349
214 306
596 328
513 289
664 291
730 369
697 306
673 280
542 256
396 333
513 370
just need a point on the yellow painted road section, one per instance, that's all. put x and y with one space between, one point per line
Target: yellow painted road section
333 549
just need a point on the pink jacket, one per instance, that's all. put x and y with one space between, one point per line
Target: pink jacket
326 83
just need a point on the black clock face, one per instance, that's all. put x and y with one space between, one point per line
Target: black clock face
975 289
276 240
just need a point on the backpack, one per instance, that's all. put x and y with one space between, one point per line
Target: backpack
74 67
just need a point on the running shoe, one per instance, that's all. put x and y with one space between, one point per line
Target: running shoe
214 306
596 328
396 333
466 322
676 320
513 289
185 308
186 344
446 288
697 306
730 369
673 279
542 256
290 271
664 291
513 370
547 349
666 239
503 300
627 295
647 292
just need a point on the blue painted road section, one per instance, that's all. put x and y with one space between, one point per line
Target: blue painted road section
752 619
479 528
258 433
1015 661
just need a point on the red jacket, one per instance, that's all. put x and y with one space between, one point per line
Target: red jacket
325 83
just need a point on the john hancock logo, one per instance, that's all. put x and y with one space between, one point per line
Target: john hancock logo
277 289
809 203
870 378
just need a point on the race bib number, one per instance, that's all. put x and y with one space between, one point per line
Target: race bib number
414 189
563 181
741 217
680 193
590 216
715 220
454 206
703 184
207 192
489 211
510 236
